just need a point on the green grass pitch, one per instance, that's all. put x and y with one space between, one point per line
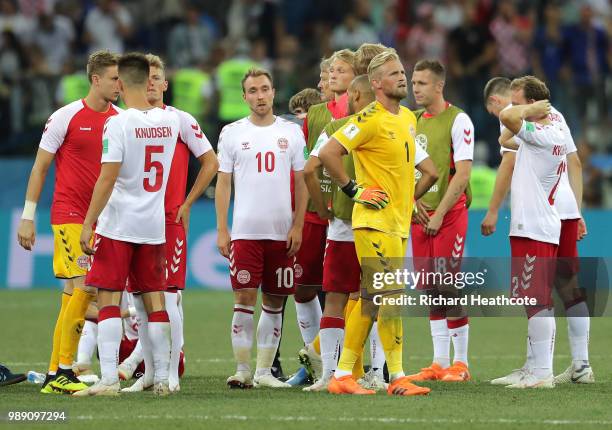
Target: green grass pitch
496 347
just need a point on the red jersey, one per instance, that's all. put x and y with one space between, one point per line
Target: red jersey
191 140
74 134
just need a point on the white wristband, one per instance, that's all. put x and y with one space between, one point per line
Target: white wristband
29 209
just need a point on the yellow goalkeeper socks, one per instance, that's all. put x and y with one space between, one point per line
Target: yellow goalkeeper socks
356 332
391 336
57 334
72 326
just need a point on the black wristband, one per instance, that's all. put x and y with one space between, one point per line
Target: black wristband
350 189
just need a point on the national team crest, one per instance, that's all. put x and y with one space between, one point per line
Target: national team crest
283 144
412 130
243 277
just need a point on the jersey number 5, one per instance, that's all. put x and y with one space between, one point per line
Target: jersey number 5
153 183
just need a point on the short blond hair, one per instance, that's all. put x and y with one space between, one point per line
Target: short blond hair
345 55
364 55
325 64
156 61
381 59
533 88
99 61
304 99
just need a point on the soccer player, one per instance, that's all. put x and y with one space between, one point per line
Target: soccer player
341 270
128 206
440 224
326 93
72 139
9 378
309 260
535 225
260 152
499 94
302 101
381 138
191 141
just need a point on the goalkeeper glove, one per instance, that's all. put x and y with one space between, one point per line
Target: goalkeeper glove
372 197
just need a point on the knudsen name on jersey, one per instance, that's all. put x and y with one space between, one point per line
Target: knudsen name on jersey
153 132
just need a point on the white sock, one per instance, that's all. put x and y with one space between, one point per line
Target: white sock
441 342
377 353
144 340
242 336
110 331
578 326
159 335
309 316
541 329
331 339
87 343
179 293
176 333
460 337
268 337
529 363
135 358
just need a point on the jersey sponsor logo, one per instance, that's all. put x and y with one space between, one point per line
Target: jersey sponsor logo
245 146
243 277
421 140
153 132
283 144
351 131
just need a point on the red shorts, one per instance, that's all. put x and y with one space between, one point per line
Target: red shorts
176 255
127 347
262 262
341 269
567 261
115 261
309 259
533 271
444 251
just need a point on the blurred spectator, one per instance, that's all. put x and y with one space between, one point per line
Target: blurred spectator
11 19
592 177
107 26
587 48
42 83
352 33
449 14
426 39
54 36
482 179
72 86
512 32
255 19
393 32
190 41
285 71
13 66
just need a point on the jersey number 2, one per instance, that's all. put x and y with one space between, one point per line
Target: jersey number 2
153 184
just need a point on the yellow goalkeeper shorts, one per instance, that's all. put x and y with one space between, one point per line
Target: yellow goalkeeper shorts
69 261
379 253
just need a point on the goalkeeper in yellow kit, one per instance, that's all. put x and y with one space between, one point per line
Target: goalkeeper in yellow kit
381 138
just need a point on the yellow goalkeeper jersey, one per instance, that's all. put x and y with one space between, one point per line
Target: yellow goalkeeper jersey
383 150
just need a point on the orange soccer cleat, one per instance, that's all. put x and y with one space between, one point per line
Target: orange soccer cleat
346 385
435 372
458 372
403 387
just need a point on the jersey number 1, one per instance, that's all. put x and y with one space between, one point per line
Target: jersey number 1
150 164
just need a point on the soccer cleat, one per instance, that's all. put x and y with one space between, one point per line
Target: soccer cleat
99 389
319 385
174 388
404 387
9 378
161 389
240 380
270 381
81 369
458 372
66 382
582 375
513 377
373 380
126 371
46 388
138 386
346 385
311 361
300 377
529 380
435 372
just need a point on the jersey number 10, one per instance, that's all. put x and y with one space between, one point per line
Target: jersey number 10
153 184
265 161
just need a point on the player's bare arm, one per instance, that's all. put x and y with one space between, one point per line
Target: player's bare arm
26 233
222 202
429 176
574 173
506 140
208 168
500 190
512 118
294 238
314 187
101 193
456 187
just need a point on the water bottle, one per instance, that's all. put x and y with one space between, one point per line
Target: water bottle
35 377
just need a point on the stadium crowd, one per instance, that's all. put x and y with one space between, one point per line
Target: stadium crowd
45 44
